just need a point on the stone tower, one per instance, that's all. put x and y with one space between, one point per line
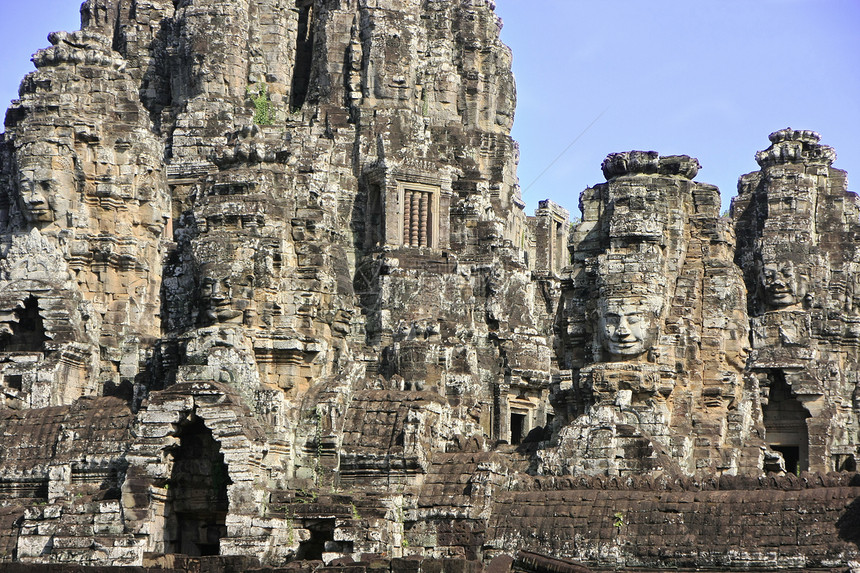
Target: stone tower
797 226
84 223
653 330
288 234
268 294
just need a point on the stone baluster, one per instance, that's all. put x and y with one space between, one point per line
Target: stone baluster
415 219
407 211
423 219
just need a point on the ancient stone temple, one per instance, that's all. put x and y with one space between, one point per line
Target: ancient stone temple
654 331
269 297
797 231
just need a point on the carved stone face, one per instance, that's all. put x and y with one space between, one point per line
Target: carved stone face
44 189
779 284
34 195
628 328
217 299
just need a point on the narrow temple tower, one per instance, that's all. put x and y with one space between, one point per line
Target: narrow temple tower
797 225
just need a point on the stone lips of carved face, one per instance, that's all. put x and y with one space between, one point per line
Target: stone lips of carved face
779 284
627 330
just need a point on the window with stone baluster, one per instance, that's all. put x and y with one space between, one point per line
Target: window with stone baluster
419 215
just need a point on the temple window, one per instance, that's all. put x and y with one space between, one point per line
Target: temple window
419 215
304 55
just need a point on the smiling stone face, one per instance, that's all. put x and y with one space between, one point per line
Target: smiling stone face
46 182
627 327
779 284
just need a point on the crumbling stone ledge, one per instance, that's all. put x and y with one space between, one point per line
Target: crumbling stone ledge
772 481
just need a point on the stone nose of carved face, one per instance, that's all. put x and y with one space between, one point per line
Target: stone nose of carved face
219 293
623 331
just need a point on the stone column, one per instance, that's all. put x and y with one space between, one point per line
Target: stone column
423 218
413 221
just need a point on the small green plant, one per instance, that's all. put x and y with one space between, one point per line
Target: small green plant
291 534
302 496
618 520
404 542
355 514
259 94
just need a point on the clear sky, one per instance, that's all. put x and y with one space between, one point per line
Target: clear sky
707 78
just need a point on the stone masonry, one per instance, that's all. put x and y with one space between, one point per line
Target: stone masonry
269 297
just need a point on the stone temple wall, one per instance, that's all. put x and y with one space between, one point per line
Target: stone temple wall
268 292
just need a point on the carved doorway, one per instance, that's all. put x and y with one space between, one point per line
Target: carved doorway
26 333
321 539
197 504
518 424
785 425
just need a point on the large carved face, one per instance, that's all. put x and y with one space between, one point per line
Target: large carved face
627 328
225 298
779 284
43 193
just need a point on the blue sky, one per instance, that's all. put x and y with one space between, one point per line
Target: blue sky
707 78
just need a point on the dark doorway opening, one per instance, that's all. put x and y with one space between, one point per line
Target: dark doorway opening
791 455
785 424
322 532
28 330
197 494
304 55
844 463
14 381
518 424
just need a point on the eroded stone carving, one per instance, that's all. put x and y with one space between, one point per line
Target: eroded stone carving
796 225
268 291
653 330
628 327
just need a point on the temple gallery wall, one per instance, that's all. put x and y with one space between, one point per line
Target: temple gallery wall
268 292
